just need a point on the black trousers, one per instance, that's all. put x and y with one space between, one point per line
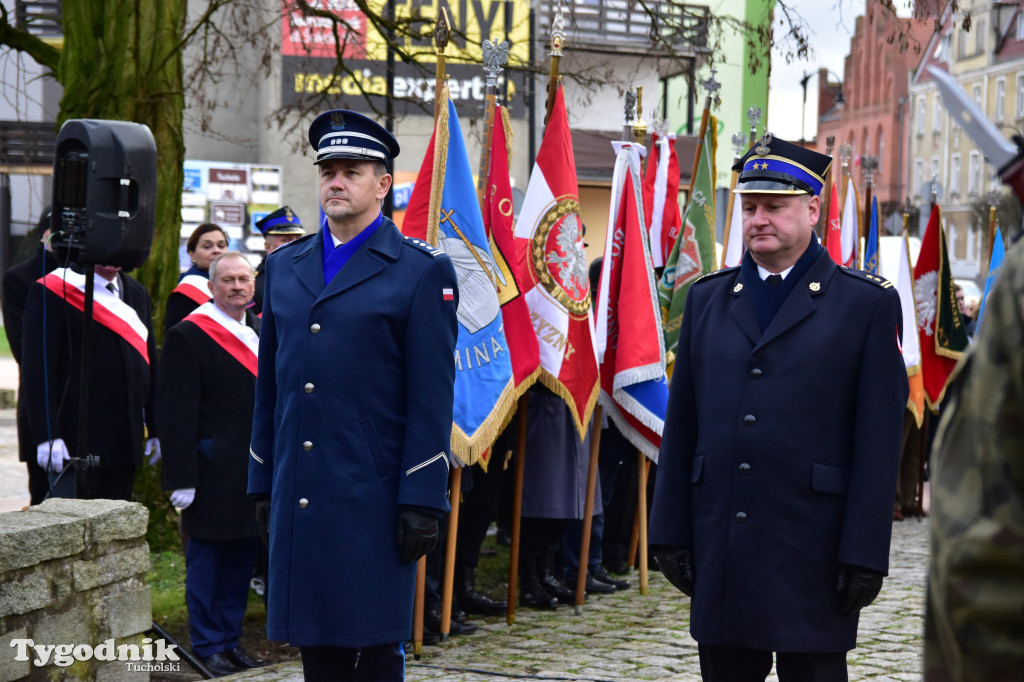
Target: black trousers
740 664
378 663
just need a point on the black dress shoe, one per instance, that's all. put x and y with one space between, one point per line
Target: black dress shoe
432 622
557 589
244 660
593 586
601 575
481 604
533 594
219 665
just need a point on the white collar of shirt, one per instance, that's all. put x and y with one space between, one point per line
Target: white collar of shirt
337 242
100 282
223 317
763 274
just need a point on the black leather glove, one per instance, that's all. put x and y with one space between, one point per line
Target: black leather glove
262 503
677 565
416 535
856 587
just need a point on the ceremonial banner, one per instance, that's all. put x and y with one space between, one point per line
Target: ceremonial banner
871 246
108 309
661 198
558 289
452 221
694 251
940 326
630 345
851 226
734 248
522 341
911 343
834 236
995 264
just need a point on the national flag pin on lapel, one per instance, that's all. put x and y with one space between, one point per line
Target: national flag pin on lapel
448 294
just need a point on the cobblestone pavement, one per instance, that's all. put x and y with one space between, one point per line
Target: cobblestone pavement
626 636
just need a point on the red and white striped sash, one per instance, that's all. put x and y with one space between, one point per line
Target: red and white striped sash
238 340
195 287
108 310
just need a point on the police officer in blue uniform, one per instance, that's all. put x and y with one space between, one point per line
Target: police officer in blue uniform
352 428
772 506
278 228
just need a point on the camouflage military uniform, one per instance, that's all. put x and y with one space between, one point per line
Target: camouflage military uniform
974 627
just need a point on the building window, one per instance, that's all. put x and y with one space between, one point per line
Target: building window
1020 96
979 37
937 113
974 173
918 175
961 45
976 91
1020 25
954 174
972 237
881 145
933 170
1000 98
920 107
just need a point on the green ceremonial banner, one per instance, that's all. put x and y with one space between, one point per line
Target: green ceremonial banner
950 331
693 254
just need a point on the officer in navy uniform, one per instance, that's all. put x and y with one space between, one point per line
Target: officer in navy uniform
773 502
350 448
278 228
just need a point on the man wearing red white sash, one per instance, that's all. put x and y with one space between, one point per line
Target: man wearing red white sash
122 375
205 402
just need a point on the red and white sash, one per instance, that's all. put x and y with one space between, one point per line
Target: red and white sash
238 340
108 309
195 287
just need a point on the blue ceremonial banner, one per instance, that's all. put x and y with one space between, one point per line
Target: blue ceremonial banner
484 386
995 264
871 249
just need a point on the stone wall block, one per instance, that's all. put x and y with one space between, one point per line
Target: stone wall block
72 626
11 669
29 538
24 593
107 519
126 613
111 567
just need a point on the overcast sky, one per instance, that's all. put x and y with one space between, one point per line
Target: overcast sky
831 25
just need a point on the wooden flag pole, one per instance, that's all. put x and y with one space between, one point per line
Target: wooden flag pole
643 464
588 508
826 193
557 43
442 30
449 555
517 509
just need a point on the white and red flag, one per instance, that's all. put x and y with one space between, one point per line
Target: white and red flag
630 342
558 289
497 210
661 198
850 227
834 234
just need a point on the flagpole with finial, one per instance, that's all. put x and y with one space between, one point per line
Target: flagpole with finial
739 147
442 31
868 166
711 87
753 118
826 192
557 43
495 56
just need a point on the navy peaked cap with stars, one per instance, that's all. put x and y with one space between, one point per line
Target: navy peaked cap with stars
774 166
344 134
281 221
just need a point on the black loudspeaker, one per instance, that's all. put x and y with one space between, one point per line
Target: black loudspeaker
104 193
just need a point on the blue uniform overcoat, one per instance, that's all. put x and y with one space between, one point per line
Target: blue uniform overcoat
353 418
780 454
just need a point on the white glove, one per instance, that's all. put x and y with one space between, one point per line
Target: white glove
52 455
182 497
152 448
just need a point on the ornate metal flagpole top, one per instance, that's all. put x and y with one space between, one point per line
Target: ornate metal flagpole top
754 117
830 143
869 166
908 206
558 30
659 127
629 108
845 154
442 30
495 57
639 127
935 188
739 144
711 86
